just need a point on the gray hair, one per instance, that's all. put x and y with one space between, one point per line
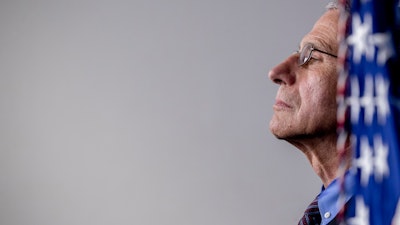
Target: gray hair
335 5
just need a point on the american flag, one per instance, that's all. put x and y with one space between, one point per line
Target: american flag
372 95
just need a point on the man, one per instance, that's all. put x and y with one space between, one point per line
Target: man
305 110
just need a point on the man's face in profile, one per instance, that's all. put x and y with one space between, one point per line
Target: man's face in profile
306 99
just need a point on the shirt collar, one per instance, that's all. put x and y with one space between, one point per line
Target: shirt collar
329 202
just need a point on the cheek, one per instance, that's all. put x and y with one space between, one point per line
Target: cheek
320 94
311 92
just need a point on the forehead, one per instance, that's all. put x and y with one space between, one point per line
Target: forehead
324 32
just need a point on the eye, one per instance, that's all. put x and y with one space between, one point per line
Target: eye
304 59
305 54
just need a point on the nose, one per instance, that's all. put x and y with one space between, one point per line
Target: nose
284 73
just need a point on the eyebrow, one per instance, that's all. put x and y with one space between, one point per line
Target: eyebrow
319 44
325 46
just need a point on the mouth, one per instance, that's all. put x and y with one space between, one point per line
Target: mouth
281 105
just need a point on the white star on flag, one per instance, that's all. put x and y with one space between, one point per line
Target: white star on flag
382 102
385 46
367 101
362 213
353 101
365 161
361 38
380 160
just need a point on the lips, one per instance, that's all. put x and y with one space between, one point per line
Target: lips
281 105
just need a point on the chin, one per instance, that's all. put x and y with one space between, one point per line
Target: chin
277 130
283 131
280 135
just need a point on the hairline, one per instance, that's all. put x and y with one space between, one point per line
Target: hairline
335 5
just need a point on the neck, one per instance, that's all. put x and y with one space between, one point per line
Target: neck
322 154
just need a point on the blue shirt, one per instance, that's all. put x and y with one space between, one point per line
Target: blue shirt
329 203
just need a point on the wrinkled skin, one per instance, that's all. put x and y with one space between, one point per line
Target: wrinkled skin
305 106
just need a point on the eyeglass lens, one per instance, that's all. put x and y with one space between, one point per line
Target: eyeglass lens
305 54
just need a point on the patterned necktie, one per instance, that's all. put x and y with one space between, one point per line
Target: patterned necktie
311 215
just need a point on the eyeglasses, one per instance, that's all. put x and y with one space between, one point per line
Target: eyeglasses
305 54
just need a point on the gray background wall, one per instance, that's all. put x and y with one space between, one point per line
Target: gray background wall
147 112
